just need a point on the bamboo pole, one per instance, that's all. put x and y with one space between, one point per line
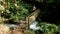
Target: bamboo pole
7 4
0 16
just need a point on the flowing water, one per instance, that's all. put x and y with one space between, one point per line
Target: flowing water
33 25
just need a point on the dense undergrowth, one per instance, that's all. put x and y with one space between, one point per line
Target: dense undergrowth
16 11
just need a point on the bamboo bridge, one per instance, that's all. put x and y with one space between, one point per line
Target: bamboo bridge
23 27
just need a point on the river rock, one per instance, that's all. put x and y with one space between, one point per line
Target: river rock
4 29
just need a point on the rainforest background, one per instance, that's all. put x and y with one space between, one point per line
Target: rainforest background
13 11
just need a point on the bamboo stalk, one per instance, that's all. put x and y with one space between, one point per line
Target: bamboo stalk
0 16
7 4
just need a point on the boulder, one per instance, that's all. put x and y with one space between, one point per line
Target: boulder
4 29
